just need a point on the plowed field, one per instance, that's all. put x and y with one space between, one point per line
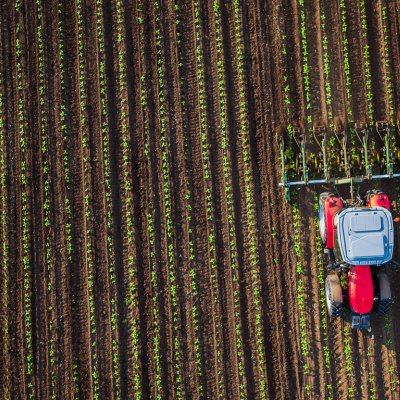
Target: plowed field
146 250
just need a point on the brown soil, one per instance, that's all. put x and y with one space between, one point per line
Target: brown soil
35 209
57 232
378 61
79 265
393 17
334 36
15 366
358 85
315 63
201 230
98 209
200 286
229 351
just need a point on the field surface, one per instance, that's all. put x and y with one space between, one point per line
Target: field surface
146 250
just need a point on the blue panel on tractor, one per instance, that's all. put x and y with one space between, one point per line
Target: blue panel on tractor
365 235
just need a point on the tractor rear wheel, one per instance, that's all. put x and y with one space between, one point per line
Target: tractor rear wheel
334 295
384 293
321 214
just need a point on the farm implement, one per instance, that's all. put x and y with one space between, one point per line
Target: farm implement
353 154
357 233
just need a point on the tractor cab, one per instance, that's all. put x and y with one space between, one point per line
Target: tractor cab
363 236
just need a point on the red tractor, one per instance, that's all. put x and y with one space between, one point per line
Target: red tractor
359 241
358 234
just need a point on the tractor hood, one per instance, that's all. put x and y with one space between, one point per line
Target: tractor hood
365 235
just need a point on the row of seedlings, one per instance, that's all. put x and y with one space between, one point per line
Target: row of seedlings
51 307
166 173
190 201
245 159
138 58
124 167
4 382
87 199
367 62
229 192
304 344
346 60
26 239
389 75
66 158
108 191
209 195
322 308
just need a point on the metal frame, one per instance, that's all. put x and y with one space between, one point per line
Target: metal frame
338 181
383 129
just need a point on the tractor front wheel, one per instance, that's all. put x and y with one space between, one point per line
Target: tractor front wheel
334 295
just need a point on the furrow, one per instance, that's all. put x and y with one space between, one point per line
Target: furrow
76 178
376 41
357 74
214 105
314 59
120 158
4 337
200 206
14 205
174 147
60 276
160 207
100 257
35 180
140 187
335 51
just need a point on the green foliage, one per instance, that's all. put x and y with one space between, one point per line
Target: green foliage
346 60
4 345
86 170
26 250
389 77
367 62
107 181
167 199
322 306
207 176
229 191
325 55
243 134
306 70
304 344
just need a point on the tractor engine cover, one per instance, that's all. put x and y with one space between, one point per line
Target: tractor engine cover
361 289
365 235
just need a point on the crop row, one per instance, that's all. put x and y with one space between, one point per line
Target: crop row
229 191
153 211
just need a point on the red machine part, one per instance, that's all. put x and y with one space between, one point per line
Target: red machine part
379 199
361 289
331 205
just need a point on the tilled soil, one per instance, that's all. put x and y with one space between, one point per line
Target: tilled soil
146 248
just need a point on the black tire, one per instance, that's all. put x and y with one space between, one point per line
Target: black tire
384 293
333 295
321 215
